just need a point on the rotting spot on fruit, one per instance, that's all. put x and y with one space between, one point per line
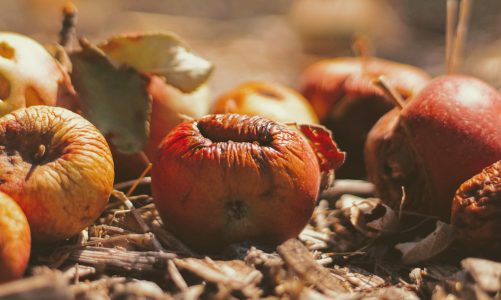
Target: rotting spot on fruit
236 210
6 51
4 87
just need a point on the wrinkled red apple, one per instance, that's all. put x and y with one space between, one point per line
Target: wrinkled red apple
15 240
449 132
346 99
167 107
270 100
222 179
58 168
29 75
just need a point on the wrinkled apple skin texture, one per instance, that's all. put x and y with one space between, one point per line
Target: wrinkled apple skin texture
454 124
34 76
15 240
64 190
228 178
476 211
266 99
348 102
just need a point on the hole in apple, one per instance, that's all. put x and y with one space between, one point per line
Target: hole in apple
236 210
4 87
32 97
6 51
257 133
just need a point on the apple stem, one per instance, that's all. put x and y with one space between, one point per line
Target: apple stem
68 31
461 32
391 93
452 7
360 46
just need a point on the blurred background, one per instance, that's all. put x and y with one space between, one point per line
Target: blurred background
277 39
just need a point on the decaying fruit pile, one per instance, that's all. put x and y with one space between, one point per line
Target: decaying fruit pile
121 179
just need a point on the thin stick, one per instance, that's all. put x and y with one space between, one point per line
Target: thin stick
360 46
461 32
391 93
67 31
452 9
138 180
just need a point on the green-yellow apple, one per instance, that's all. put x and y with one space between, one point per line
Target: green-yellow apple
29 75
58 167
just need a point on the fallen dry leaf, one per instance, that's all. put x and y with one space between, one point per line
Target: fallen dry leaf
327 151
369 215
486 273
162 54
428 247
114 99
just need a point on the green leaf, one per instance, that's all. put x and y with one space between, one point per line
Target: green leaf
114 99
163 54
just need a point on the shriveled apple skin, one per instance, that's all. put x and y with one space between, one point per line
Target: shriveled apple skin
229 178
63 189
454 125
348 102
15 240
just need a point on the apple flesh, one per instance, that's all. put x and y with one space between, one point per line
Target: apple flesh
348 102
222 179
270 100
449 132
29 75
57 166
167 107
15 240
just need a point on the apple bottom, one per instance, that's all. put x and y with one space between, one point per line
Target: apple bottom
242 182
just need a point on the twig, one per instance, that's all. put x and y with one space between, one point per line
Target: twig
299 259
127 184
49 286
390 92
348 186
176 276
452 7
461 32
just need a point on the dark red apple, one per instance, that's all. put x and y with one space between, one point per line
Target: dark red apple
346 99
449 132
228 178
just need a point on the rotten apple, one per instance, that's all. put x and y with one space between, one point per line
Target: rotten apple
476 212
57 166
445 135
29 75
349 103
222 179
15 240
270 100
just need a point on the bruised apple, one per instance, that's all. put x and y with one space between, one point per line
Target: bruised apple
15 240
57 166
346 99
29 75
167 107
270 100
442 137
227 178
